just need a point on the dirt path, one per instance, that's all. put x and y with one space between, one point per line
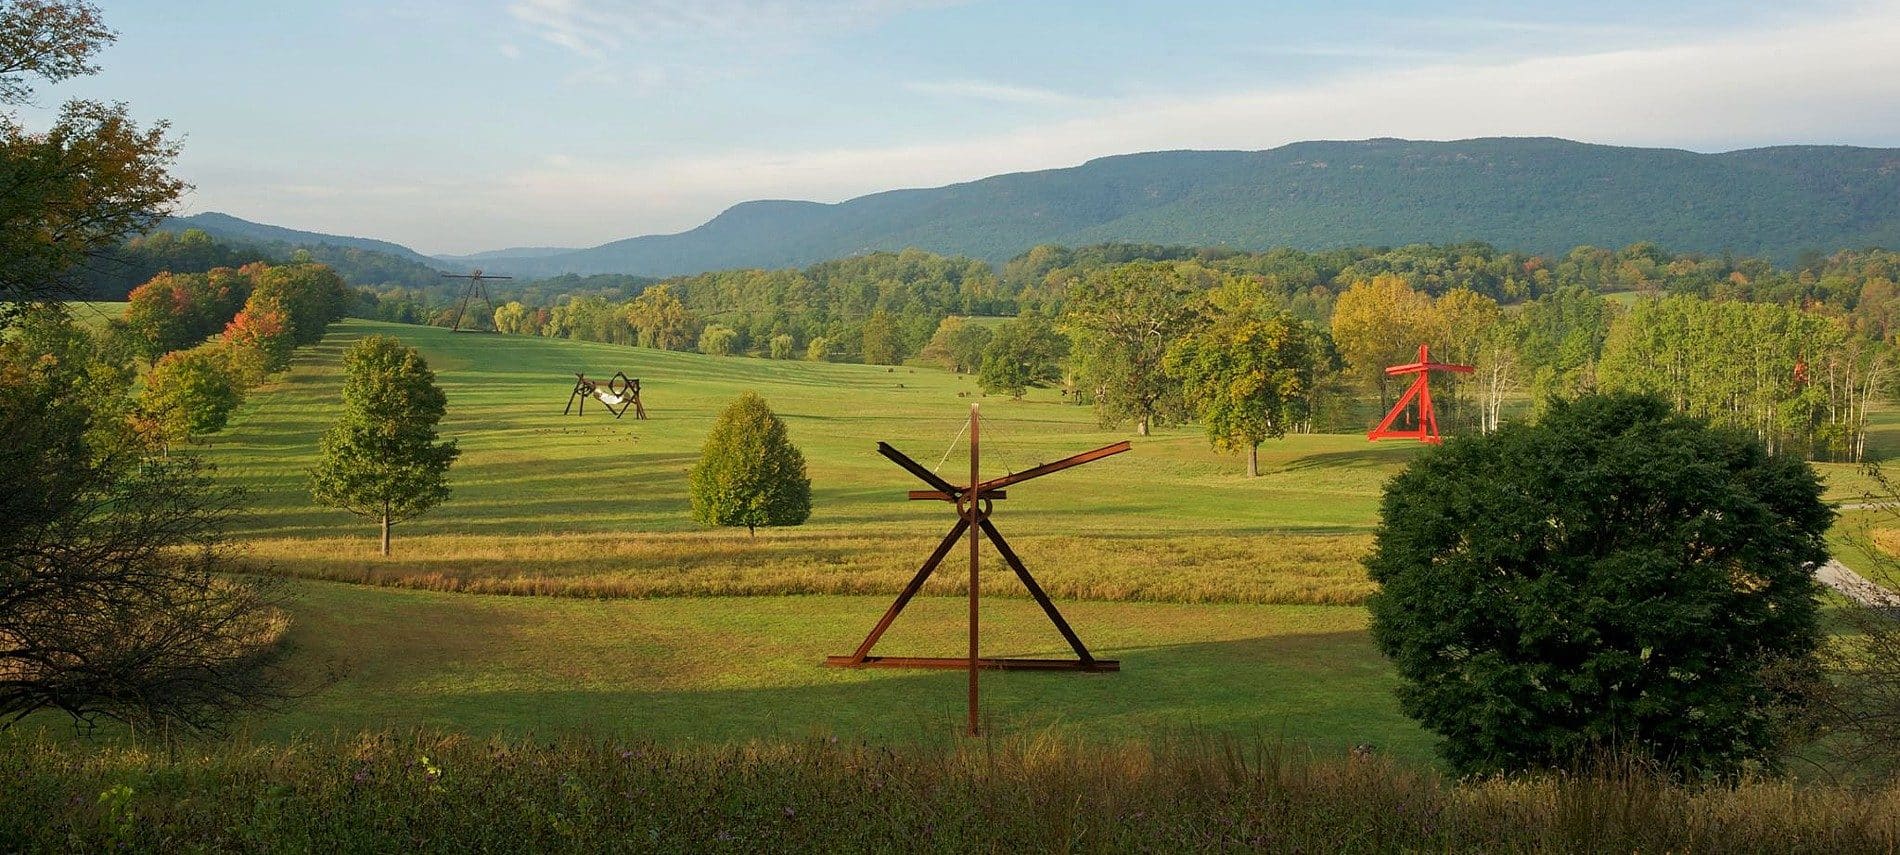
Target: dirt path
1855 587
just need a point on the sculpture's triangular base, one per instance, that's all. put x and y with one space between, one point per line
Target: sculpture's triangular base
999 664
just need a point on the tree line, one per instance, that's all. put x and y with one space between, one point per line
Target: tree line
1125 328
210 336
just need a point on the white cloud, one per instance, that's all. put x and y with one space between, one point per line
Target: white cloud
985 91
1824 82
1827 81
596 27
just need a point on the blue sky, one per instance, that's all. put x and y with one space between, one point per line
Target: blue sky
461 126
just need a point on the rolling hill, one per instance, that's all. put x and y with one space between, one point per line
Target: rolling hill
227 227
1533 194
1543 195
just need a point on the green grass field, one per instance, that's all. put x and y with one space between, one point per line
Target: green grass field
1232 602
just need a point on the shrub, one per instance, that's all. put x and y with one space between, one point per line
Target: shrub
749 473
1614 578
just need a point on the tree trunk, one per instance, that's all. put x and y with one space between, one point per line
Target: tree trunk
385 535
1141 426
1253 460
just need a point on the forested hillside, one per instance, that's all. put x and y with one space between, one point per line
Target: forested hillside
1539 195
194 250
238 230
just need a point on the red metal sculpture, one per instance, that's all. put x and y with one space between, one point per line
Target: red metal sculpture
1421 389
973 504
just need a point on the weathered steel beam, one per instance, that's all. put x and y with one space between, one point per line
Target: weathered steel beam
959 663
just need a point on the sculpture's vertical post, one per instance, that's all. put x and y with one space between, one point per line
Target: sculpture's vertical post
972 500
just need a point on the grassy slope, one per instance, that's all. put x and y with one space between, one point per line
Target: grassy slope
546 503
598 506
725 668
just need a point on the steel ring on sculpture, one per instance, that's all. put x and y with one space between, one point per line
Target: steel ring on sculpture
983 508
619 385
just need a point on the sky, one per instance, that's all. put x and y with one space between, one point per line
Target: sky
461 126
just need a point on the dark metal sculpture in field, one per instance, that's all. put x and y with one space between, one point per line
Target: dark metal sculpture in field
1421 389
617 394
973 506
475 280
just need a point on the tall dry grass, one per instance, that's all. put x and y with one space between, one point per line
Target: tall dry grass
444 792
1267 569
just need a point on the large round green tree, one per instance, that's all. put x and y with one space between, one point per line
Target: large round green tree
749 473
1614 578
381 459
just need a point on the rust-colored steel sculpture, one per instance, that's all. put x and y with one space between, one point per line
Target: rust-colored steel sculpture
475 280
1421 389
973 506
617 394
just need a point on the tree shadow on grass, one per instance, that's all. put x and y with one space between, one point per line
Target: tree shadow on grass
1374 455
1327 690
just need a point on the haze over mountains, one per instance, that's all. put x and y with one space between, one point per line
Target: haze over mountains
1534 194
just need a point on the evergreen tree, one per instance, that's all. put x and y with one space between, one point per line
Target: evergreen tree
749 473
1616 577
381 459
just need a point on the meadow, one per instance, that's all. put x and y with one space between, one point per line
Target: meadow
1232 602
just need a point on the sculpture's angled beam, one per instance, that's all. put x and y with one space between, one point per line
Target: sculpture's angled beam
1422 367
910 590
1058 466
917 469
1035 590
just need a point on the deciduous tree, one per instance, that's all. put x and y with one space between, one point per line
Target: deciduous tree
382 459
749 473
1381 322
191 392
1248 372
78 188
116 599
1122 321
1023 353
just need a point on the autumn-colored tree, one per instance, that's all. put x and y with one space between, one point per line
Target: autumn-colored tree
818 350
1381 322
76 189
780 347
1464 321
511 318
175 311
260 339
661 321
311 296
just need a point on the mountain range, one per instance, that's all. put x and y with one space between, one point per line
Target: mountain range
1533 194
